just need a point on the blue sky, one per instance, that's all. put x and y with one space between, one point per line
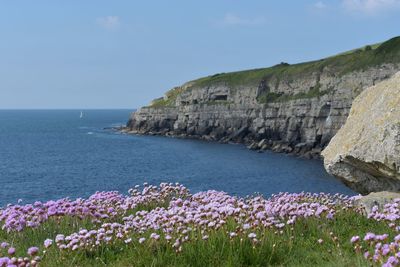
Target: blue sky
122 54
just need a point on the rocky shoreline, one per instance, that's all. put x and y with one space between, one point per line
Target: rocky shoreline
300 150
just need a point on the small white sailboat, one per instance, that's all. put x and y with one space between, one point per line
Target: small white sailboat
81 116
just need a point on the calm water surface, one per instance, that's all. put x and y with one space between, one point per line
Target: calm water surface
48 154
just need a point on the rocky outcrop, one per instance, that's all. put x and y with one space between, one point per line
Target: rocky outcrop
365 153
287 108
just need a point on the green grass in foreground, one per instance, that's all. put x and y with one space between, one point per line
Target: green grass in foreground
296 246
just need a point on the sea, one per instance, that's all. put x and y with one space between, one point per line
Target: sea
53 154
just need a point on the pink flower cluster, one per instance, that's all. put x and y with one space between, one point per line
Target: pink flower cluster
99 207
379 249
390 212
383 252
178 217
195 217
30 260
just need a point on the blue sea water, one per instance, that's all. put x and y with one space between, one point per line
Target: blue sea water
51 154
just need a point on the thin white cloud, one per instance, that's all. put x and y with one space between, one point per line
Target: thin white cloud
320 5
109 22
235 20
370 7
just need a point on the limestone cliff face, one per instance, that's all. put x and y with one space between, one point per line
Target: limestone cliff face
365 153
287 108
302 126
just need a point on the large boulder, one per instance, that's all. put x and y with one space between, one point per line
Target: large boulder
365 153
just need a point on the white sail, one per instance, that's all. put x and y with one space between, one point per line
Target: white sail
81 116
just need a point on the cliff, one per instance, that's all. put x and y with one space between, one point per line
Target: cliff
287 108
365 153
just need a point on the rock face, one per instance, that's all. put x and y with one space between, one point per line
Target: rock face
287 108
300 126
365 153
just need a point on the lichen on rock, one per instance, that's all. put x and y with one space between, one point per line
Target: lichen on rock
365 153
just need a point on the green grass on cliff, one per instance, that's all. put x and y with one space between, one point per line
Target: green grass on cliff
359 59
169 100
354 60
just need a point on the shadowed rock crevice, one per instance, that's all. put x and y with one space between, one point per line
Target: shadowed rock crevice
366 177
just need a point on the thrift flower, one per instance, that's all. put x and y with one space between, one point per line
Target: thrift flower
47 243
33 251
355 239
252 235
11 251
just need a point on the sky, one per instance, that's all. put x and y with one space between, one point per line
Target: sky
122 54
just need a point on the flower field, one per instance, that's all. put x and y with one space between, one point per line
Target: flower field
167 226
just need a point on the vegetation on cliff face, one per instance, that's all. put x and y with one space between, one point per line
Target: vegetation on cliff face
169 99
272 97
168 226
354 60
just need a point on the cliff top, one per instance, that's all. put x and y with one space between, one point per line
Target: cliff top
357 59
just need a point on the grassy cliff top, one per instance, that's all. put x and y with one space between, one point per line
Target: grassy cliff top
354 60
